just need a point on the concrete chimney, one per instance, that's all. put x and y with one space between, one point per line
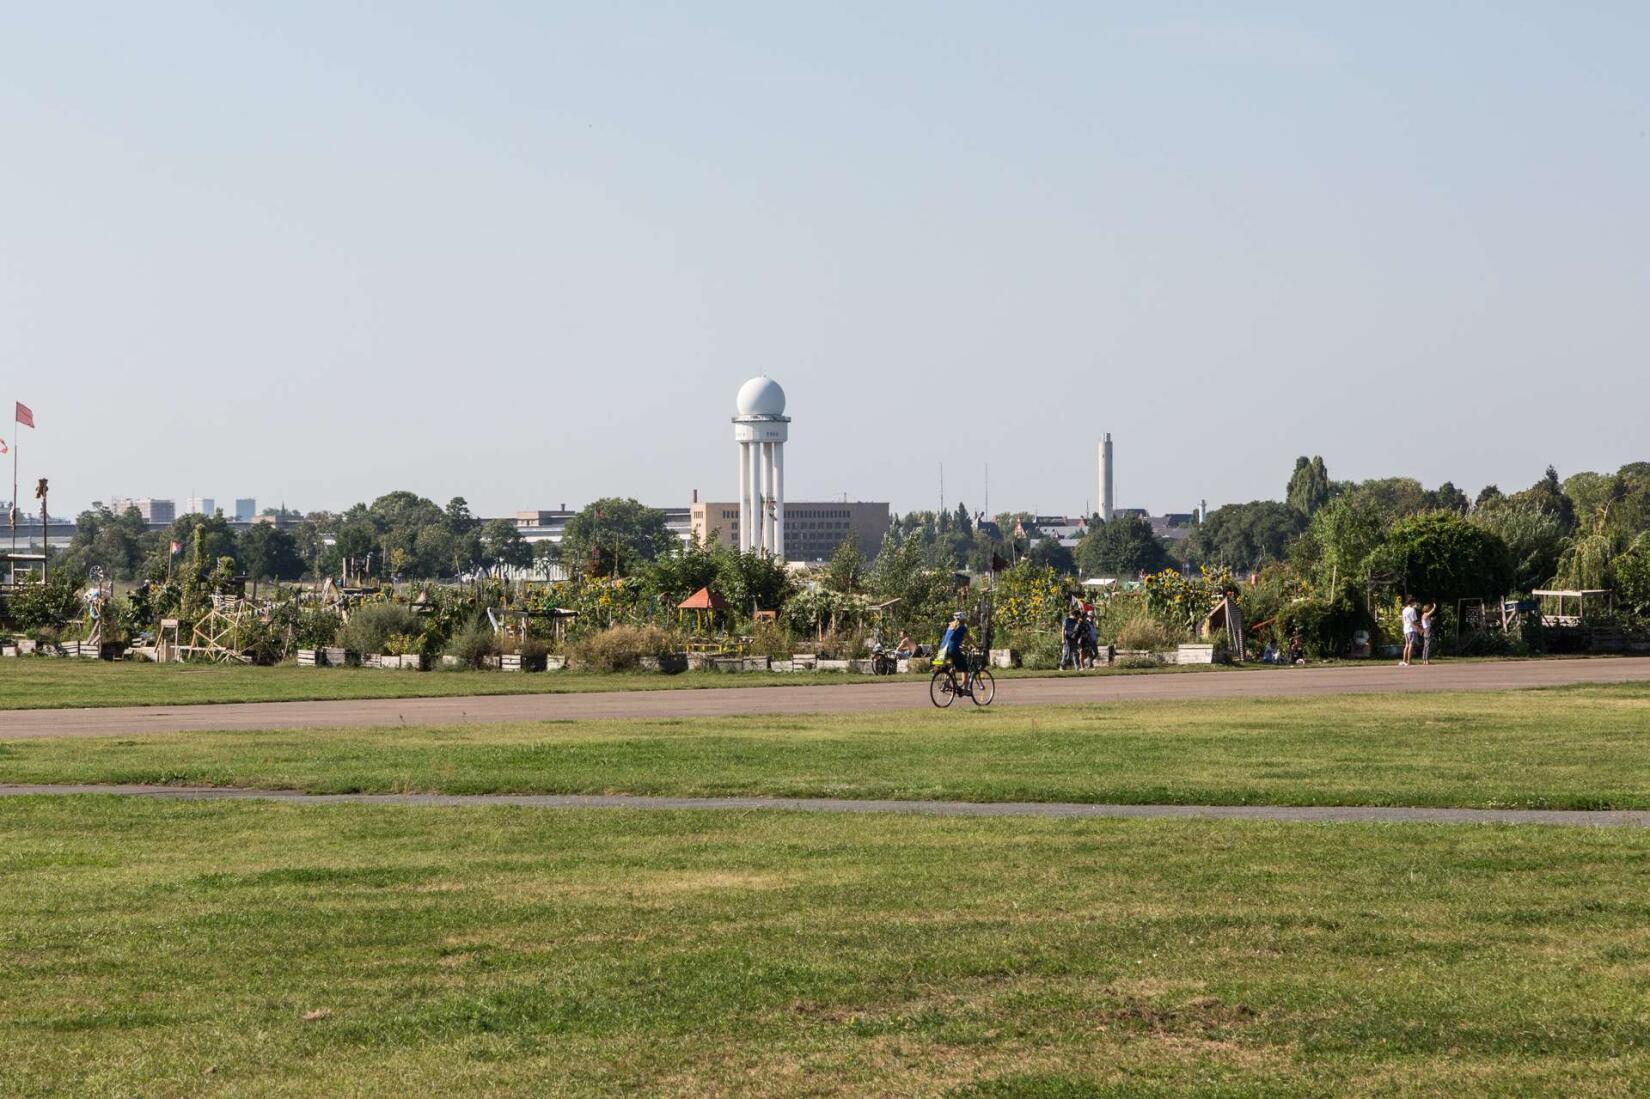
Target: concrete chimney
1106 499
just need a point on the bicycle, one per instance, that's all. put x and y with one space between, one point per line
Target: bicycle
943 687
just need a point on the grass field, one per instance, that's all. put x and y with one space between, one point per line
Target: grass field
1563 748
183 949
31 683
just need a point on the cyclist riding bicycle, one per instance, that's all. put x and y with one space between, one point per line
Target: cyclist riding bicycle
951 647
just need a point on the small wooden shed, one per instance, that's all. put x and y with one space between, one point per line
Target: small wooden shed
702 602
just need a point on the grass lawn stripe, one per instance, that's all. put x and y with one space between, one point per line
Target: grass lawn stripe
1561 748
181 948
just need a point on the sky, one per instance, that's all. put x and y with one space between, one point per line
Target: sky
527 252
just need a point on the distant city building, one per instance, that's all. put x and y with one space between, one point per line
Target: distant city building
813 530
549 526
246 509
1063 529
200 505
152 510
1173 527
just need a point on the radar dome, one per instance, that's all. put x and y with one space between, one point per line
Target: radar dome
761 397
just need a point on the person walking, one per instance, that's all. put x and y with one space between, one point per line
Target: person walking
1412 629
1068 640
1429 621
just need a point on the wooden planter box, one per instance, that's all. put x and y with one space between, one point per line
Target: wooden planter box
26 647
555 663
781 665
698 662
8 650
804 661
451 661
863 667
1005 658
1195 654
727 663
337 657
515 662
667 663
753 664
309 658
832 665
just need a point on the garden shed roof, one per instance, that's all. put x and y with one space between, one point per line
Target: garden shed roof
703 600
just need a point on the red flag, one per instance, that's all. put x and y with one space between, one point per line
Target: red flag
25 414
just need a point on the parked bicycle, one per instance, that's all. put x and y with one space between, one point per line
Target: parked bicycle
945 687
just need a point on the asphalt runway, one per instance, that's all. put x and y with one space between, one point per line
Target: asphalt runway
905 693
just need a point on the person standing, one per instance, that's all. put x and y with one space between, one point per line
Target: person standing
1429 621
1412 629
1068 640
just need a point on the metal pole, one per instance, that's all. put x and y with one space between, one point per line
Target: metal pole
12 515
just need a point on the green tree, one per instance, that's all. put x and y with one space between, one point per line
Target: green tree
399 517
1446 497
614 536
1246 536
266 552
754 581
1049 553
114 544
901 571
684 568
1632 577
502 545
1534 538
1393 497
1548 495
463 543
847 568
1442 557
1309 485
1340 541
1123 547
212 533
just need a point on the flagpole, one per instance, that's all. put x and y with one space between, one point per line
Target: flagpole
13 516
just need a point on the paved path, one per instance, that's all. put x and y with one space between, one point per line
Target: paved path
902 694
1307 814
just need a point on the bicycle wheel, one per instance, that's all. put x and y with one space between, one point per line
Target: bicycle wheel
941 690
982 688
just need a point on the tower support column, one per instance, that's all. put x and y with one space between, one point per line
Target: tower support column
779 500
744 497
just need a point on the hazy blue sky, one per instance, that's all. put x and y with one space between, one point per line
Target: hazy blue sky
527 252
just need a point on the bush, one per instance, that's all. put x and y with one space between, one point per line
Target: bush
771 640
316 628
1325 627
473 642
1040 650
370 626
1145 632
620 648
843 643
400 644
34 605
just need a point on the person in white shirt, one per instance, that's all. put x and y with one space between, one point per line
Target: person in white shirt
1412 629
